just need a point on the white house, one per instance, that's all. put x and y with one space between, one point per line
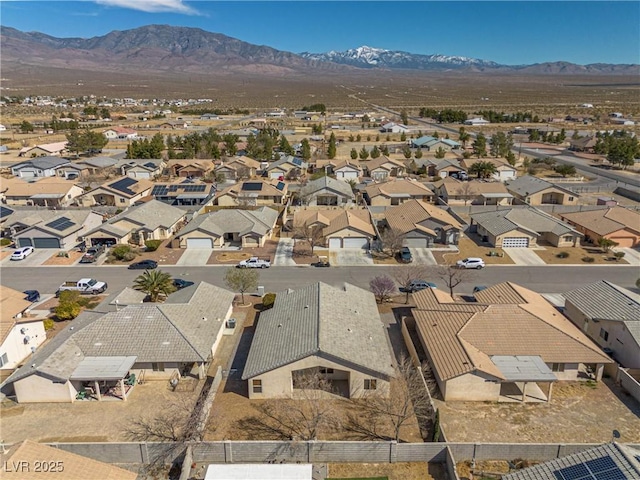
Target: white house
476 121
20 334
120 133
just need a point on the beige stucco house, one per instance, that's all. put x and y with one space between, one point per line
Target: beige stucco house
47 192
618 224
350 228
319 329
234 168
451 191
396 192
383 168
254 193
536 191
122 193
62 231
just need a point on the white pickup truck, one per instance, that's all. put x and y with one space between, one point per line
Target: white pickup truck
254 262
84 285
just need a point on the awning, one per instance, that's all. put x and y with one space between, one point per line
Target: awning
523 368
184 196
103 368
496 195
47 195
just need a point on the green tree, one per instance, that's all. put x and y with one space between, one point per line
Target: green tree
90 111
242 279
436 134
375 152
404 117
353 154
406 151
385 150
332 150
104 113
565 170
534 135
418 153
306 149
230 143
284 146
68 305
154 283
26 127
511 158
95 141
403 137
480 146
364 154
501 144
463 136
75 142
358 138
440 152
483 169
606 244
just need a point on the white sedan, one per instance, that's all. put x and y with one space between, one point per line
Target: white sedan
22 253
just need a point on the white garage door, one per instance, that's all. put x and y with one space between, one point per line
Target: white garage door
356 242
199 243
515 242
335 243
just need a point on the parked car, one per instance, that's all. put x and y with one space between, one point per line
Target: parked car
180 283
405 255
84 286
22 253
254 262
471 262
32 296
479 288
144 265
92 254
417 285
460 175
322 262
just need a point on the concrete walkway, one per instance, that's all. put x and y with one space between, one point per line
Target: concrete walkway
422 256
284 253
631 255
195 257
524 256
342 257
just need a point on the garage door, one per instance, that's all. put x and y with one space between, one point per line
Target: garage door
515 242
199 243
623 242
46 243
335 243
24 242
416 242
356 242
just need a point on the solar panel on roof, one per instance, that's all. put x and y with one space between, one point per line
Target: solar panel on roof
159 190
297 161
123 185
150 165
280 185
598 469
574 472
4 211
60 224
251 187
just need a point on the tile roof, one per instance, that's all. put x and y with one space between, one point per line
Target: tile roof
606 221
341 324
76 467
336 220
244 222
48 185
528 218
397 186
327 183
407 216
528 185
44 163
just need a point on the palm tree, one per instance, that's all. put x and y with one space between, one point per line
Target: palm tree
483 169
154 283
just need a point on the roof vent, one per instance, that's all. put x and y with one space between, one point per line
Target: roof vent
204 319
279 325
97 344
166 343
306 306
348 330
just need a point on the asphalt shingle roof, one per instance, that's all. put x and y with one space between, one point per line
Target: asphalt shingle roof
528 185
327 184
258 221
528 218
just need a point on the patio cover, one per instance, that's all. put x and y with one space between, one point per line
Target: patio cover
523 368
47 195
103 368
259 472
496 195
183 196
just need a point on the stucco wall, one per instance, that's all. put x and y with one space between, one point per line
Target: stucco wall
37 389
472 387
169 369
14 345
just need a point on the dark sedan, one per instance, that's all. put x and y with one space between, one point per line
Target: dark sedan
32 295
180 283
144 265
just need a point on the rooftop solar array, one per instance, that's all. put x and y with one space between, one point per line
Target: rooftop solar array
251 187
4 212
598 469
297 161
280 185
160 190
123 185
60 224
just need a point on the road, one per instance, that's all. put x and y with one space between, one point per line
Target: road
547 279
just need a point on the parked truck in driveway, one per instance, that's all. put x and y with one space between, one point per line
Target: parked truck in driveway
254 262
89 286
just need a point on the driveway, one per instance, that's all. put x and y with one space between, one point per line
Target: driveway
524 256
349 256
193 257
37 258
631 255
284 253
422 256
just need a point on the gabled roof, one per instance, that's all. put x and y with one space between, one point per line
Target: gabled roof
606 221
126 187
455 187
407 216
100 162
47 147
16 187
43 163
528 185
12 303
60 225
258 187
500 163
287 163
242 161
203 165
527 218
339 324
396 187
149 215
244 222
381 162
327 183
336 220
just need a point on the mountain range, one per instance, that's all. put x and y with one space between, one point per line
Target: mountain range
158 48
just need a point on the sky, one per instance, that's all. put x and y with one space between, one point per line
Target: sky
507 32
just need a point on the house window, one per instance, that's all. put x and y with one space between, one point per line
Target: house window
257 386
557 367
4 360
568 238
122 200
326 371
157 367
370 384
604 334
571 199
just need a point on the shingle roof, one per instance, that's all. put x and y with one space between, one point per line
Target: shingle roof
381 161
76 223
336 220
528 185
12 302
100 162
407 216
456 187
43 163
218 223
606 221
399 186
342 324
607 461
327 183
287 163
528 218
48 185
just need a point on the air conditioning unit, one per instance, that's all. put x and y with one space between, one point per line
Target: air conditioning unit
231 323
27 339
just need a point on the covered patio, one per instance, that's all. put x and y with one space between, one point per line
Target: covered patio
104 378
522 376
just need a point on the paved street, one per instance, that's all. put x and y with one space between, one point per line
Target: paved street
547 279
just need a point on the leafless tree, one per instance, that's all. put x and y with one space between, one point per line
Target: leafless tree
382 287
313 234
392 240
379 416
305 415
243 173
405 274
466 190
453 276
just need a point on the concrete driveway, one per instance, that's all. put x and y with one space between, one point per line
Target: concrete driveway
524 256
422 256
37 258
193 257
631 255
349 256
284 253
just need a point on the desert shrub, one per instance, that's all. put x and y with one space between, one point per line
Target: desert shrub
563 255
268 300
4 242
120 251
152 245
588 259
618 255
67 310
48 324
69 296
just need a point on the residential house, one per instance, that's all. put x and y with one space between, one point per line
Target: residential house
38 167
61 231
319 329
523 227
351 228
98 165
189 168
341 169
47 192
476 121
46 149
383 168
234 168
120 133
249 228
396 192
504 171
73 171
140 167
536 191
618 224
184 193
16 220
601 462
101 349
510 344
122 192
5 214
287 166
253 193
431 144
583 144
394 128
610 316
209 116
444 168
326 191
30 454
153 220
20 333
451 191
173 125
422 224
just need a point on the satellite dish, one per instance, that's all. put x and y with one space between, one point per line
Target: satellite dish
616 434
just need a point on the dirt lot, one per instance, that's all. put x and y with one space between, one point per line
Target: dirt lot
232 257
73 257
471 246
575 414
302 253
393 471
576 254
